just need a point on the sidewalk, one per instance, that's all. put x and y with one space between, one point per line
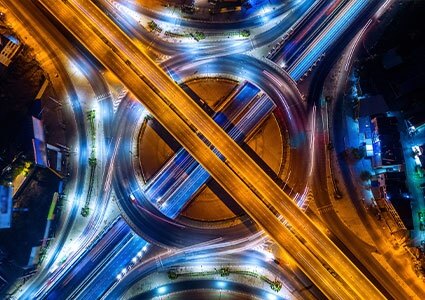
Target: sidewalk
344 207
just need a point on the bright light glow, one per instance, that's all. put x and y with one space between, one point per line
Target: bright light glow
418 161
132 198
127 11
264 13
75 245
119 277
139 254
417 150
266 10
143 113
268 255
75 70
144 248
162 290
134 260
271 297
221 284
124 271
55 266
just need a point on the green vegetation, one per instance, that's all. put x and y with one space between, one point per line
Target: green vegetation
176 34
85 211
224 272
421 216
275 285
91 114
198 35
92 161
21 168
245 33
50 215
358 153
172 275
152 25
41 255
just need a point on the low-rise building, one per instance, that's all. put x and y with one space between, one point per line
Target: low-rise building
6 206
394 202
387 149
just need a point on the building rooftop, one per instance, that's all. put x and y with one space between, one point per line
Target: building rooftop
5 206
372 105
404 210
386 142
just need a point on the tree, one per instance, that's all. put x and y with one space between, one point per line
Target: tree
198 35
245 33
225 271
358 153
172 275
276 285
152 25
85 211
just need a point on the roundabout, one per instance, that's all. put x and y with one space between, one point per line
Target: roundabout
205 206
206 149
161 224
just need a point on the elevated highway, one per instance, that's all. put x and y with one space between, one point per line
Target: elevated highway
239 175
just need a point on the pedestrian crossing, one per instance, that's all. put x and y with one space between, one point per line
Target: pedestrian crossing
308 199
116 101
325 209
103 96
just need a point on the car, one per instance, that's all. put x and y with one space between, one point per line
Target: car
132 198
